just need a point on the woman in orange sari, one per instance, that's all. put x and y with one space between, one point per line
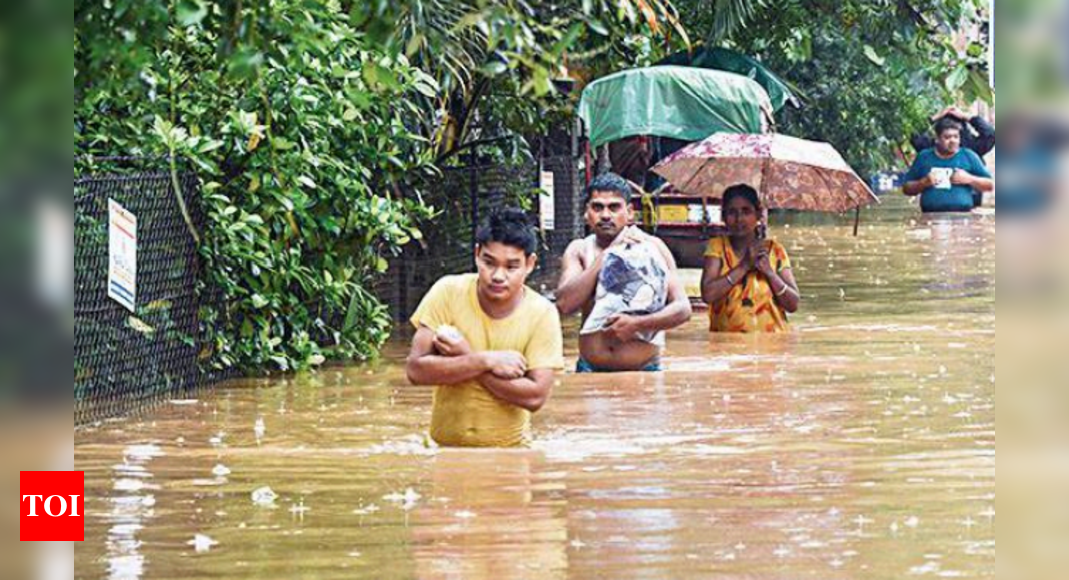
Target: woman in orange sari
747 280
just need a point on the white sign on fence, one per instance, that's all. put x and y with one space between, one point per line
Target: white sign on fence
546 201
122 255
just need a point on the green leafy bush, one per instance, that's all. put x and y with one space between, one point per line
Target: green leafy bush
300 132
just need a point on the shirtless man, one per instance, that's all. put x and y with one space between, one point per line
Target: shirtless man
617 347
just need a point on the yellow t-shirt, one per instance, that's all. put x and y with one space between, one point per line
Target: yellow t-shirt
751 305
467 415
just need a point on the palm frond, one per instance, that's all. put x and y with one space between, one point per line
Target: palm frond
729 16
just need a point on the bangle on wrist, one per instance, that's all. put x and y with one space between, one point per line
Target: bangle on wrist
730 281
783 291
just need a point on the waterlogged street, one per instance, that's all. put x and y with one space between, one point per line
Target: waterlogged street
860 446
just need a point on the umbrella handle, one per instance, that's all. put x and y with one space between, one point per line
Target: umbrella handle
705 217
586 153
857 219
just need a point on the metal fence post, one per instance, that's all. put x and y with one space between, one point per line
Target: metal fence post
473 192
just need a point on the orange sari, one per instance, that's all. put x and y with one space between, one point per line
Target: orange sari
751 305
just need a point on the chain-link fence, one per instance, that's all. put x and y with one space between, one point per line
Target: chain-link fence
123 360
127 361
470 193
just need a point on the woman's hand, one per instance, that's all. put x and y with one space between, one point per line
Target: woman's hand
763 262
759 260
748 261
764 266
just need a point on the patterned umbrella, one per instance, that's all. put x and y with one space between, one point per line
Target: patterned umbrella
789 173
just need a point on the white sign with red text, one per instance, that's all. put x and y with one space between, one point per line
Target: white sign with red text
547 201
122 255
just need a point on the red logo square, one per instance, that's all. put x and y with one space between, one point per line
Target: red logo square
52 506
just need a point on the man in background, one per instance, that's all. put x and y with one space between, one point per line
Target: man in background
947 176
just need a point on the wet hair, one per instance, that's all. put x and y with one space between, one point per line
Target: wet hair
744 191
610 182
509 226
946 124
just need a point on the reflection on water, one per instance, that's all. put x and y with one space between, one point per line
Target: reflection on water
860 446
132 504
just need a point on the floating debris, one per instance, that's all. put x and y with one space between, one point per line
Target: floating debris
409 445
264 496
220 470
141 453
363 511
927 568
202 543
407 500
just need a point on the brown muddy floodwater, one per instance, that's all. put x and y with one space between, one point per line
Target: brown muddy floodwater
861 446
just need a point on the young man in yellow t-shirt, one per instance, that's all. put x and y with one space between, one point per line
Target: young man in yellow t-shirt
487 343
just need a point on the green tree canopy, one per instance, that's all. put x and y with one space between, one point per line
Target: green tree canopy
313 126
869 72
298 128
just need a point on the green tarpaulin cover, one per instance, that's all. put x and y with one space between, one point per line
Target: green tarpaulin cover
672 101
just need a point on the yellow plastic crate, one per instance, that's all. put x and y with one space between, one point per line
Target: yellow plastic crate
673 213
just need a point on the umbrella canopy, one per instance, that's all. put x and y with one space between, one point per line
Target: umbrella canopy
672 101
789 173
731 61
